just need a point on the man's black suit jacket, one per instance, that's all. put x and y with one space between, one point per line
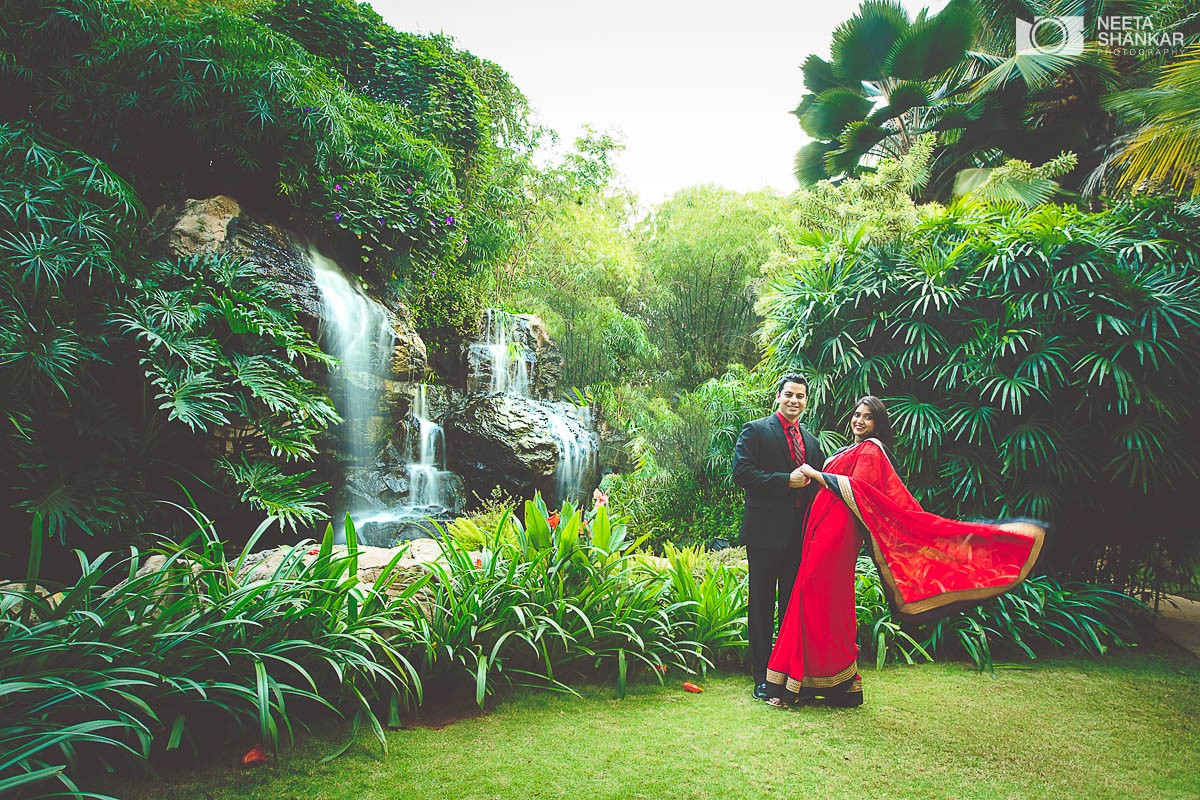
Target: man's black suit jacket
762 465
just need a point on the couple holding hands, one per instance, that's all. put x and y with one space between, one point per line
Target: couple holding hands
805 522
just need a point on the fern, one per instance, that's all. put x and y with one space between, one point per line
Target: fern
293 498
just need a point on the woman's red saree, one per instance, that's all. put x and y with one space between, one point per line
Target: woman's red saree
928 565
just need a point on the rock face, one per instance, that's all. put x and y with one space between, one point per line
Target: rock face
203 226
508 441
220 225
385 488
547 374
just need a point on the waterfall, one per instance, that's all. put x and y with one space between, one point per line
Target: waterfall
384 506
425 473
504 353
356 330
507 357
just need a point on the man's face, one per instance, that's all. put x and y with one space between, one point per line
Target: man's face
792 400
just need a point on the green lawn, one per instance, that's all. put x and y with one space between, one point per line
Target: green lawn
1124 726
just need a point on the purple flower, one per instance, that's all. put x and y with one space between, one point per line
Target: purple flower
381 220
306 109
408 190
449 220
337 216
337 187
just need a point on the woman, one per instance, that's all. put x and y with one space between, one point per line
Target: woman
928 564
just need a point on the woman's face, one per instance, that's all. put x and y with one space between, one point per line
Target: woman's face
862 424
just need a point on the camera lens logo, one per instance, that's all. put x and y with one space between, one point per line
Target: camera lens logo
1057 36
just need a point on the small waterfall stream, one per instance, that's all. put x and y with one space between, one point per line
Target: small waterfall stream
506 356
504 352
425 473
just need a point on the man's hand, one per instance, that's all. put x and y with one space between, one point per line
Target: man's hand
798 480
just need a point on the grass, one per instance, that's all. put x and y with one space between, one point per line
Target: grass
1124 726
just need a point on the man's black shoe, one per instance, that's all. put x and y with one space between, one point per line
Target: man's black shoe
760 691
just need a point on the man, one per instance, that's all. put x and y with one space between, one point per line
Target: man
766 463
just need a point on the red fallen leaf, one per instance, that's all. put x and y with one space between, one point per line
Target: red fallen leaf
315 551
256 755
688 686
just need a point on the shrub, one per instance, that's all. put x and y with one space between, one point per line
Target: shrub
1040 615
566 596
95 675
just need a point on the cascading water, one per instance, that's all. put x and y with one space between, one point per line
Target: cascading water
356 330
505 354
506 357
578 450
425 474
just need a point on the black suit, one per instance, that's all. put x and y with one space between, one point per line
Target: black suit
772 525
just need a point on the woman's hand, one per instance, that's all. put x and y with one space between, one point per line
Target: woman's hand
812 473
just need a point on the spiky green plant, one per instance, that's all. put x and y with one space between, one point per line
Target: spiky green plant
559 601
101 674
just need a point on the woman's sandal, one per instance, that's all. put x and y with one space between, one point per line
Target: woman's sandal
777 702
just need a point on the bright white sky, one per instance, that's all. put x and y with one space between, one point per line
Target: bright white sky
699 92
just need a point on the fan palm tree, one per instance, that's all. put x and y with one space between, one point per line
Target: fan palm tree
959 74
878 92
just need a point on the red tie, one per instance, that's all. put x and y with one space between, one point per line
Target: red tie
795 444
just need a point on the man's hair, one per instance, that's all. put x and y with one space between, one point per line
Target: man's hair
791 377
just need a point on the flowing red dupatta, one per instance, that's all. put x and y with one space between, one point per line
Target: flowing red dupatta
929 564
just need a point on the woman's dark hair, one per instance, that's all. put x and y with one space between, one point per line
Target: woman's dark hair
883 424
791 377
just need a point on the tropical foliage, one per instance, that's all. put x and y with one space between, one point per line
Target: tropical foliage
676 483
194 647
1041 615
577 267
395 152
1035 362
123 372
198 645
703 249
889 80
968 75
1164 146
116 367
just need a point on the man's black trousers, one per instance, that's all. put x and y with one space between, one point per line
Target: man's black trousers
772 576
